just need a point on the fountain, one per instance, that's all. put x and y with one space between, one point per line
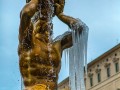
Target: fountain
40 54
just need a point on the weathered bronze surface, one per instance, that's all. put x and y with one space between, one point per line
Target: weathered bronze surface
37 70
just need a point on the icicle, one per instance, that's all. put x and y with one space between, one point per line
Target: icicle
71 70
65 57
66 61
78 56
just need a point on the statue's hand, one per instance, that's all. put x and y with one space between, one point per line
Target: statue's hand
58 8
73 23
76 24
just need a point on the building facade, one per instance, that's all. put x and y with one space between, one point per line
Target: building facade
103 72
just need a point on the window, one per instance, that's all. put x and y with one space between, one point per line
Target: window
108 71
91 81
117 67
107 60
115 54
98 65
99 76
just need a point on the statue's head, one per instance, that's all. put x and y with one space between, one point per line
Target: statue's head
27 1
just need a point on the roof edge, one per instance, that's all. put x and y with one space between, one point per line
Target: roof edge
104 54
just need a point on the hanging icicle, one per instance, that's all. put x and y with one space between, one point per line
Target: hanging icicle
78 56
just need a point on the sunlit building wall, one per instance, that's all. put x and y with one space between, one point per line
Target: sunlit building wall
103 72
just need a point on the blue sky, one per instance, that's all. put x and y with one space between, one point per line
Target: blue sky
101 16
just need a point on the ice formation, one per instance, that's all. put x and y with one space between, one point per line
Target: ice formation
77 56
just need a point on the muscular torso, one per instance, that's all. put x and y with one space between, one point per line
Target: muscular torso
38 64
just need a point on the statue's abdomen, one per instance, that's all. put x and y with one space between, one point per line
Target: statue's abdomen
36 69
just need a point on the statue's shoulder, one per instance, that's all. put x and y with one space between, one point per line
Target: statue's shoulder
60 37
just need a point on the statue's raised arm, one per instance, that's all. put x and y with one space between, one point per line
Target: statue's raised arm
70 21
66 40
25 28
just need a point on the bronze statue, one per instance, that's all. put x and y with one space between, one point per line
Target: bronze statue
40 58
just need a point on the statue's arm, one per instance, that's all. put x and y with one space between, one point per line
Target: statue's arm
66 41
59 8
25 18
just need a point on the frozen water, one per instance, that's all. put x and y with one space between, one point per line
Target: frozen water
77 56
66 53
